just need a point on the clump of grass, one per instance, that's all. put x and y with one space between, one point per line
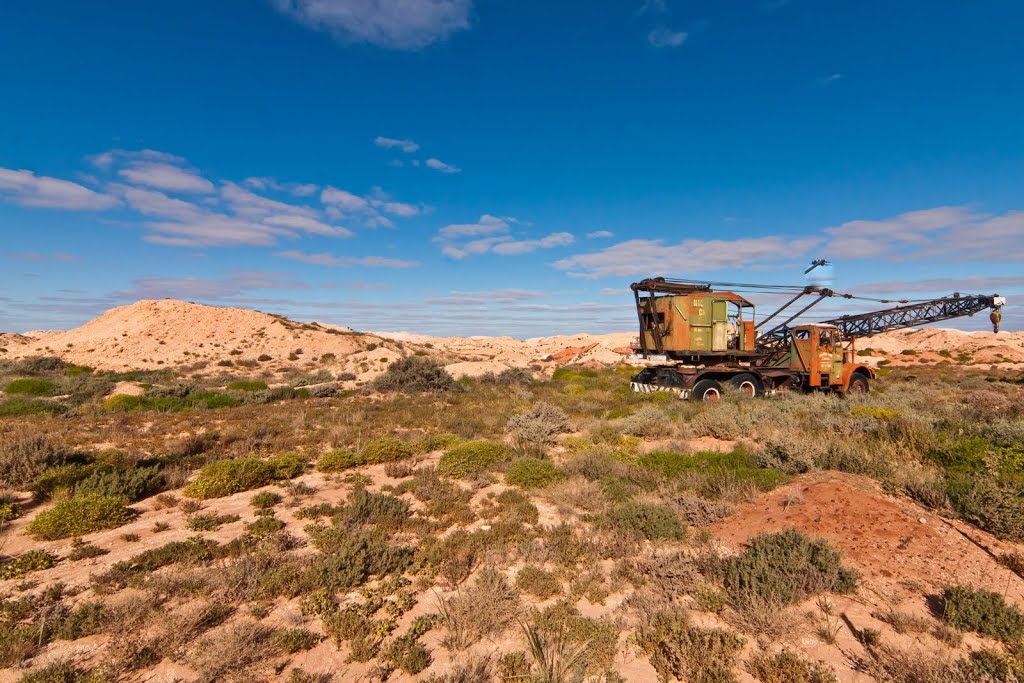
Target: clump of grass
32 561
532 473
982 611
738 465
596 640
485 609
645 521
471 458
247 385
82 550
786 567
788 667
538 582
79 516
414 374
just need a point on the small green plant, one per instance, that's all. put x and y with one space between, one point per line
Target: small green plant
532 473
32 561
30 387
80 515
982 611
471 458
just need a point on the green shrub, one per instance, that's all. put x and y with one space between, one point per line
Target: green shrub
226 477
23 407
295 640
408 654
350 559
340 459
264 526
415 374
384 511
9 510
32 561
61 672
646 521
738 465
79 516
82 621
196 550
210 522
133 483
786 567
538 582
31 387
64 478
264 500
471 458
247 385
982 611
788 667
532 473
386 449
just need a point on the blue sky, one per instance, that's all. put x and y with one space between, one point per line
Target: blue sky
495 167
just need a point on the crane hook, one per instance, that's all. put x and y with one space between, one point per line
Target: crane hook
995 316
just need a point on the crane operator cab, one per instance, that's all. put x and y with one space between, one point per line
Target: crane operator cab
817 350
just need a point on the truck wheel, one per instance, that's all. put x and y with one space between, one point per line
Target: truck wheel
707 390
748 383
858 385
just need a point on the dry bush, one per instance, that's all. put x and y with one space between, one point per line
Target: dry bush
788 667
415 374
232 654
679 649
23 457
485 609
178 630
892 665
536 428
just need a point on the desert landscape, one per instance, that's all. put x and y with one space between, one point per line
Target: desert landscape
199 493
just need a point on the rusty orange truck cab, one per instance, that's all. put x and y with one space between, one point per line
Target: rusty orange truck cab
820 357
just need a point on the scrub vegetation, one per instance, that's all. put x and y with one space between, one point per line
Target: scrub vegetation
429 528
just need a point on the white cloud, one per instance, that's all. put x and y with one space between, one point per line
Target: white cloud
327 259
600 234
396 24
165 176
25 188
663 37
294 189
514 248
343 199
487 225
405 145
643 257
439 165
40 258
829 80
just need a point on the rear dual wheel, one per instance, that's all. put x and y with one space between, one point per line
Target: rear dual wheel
707 390
748 383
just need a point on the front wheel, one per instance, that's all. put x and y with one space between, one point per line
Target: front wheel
707 390
858 385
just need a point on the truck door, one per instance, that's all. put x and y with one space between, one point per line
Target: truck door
837 359
805 354
719 326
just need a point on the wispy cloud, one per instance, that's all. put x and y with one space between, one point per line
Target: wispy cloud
402 24
662 37
235 282
406 145
490 235
439 165
179 207
826 81
600 235
487 225
35 257
164 176
327 259
25 188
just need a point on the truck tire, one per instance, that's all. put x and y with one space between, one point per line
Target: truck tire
858 384
706 390
748 383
